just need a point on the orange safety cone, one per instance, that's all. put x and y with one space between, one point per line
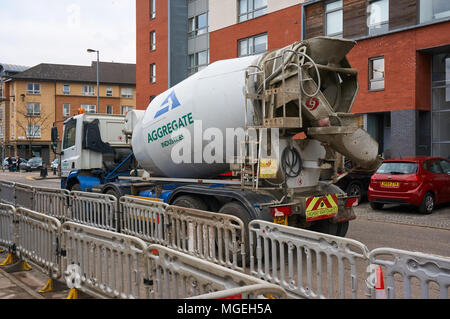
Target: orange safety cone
380 293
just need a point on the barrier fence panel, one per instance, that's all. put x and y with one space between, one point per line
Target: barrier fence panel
307 264
7 193
412 274
7 233
143 219
24 196
105 264
52 202
92 209
38 240
215 237
174 275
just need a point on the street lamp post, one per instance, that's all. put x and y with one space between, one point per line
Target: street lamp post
98 80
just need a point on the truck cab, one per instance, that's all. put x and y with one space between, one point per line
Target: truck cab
93 146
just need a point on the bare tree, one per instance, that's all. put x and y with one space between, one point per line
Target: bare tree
33 123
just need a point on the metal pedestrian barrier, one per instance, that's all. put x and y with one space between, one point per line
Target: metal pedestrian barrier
413 274
103 248
52 202
143 218
174 275
24 196
7 232
38 241
104 264
97 210
214 237
305 263
7 192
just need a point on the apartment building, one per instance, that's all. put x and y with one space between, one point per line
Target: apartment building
48 94
402 55
403 58
6 71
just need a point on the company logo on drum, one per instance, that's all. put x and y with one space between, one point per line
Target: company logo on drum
170 103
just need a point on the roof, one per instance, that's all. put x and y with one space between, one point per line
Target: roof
109 72
12 68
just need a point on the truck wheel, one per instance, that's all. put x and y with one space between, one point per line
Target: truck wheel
190 202
327 227
237 210
355 189
76 188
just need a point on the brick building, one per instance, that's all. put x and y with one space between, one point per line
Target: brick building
402 55
49 93
403 58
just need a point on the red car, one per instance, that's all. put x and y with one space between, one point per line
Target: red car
420 181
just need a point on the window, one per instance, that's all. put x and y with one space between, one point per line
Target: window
109 91
88 90
69 134
378 17
152 41
434 10
33 131
126 109
152 73
66 110
66 89
250 9
152 9
433 166
1 113
198 61
89 108
33 109
109 109
13 136
127 93
198 25
33 88
2 131
445 166
252 45
334 19
376 74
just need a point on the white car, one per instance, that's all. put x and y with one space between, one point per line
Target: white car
55 164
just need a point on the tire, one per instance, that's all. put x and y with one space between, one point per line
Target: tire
427 205
237 210
190 202
327 227
76 188
355 189
376 206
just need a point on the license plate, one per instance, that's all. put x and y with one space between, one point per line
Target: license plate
390 184
281 220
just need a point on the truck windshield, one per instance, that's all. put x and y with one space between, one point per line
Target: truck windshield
398 168
69 134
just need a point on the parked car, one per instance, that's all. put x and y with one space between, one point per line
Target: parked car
33 164
54 165
356 183
423 182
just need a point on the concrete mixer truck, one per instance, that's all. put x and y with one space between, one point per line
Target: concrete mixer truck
249 137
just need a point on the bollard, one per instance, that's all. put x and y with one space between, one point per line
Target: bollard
44 171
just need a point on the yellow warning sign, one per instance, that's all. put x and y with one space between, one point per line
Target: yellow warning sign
268 168
318 208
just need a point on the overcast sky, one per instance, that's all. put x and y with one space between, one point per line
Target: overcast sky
60 31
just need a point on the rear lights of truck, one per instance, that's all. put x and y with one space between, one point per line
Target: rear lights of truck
281 211
351 202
